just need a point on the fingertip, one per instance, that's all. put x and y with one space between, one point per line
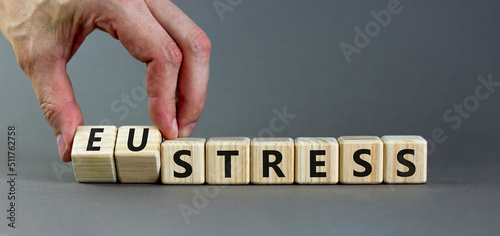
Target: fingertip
64 148
66 157
163 115
187 130
188 112
170 131
67 119
61 146
175 128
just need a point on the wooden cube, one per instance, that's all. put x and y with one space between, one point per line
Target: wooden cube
272 161
361 160
405 159
228 160
316 161
93 154
183 161
137 154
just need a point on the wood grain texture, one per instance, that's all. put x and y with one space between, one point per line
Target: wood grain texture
326 163
394 144
196 159
349 145
138 166
94 165
216 172
285 146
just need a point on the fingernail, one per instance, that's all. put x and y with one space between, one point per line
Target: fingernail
175 128
61 145
188 130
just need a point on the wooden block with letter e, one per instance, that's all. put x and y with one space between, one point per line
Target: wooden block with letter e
137 154
316 161
93 154
272 161
405 159
183 161
361 160
228 160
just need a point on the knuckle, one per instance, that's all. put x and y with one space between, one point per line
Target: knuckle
173 54
25 58
199 43
32 60
26 63
50 111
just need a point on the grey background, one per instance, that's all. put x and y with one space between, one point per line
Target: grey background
267 55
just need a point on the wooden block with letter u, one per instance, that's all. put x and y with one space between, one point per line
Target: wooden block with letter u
183 161
93 154
228 160
137 154
405 159
272 161
361 160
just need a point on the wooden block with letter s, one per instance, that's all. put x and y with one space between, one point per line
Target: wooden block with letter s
361 160
93 154
405 159
137 154
183 161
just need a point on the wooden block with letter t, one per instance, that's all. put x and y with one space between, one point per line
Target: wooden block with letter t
361 160
183 161
272 161
137 154
228 160
93 154
405 159
316 161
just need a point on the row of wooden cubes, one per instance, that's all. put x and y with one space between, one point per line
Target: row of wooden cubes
138 154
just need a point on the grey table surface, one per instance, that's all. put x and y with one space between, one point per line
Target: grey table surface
270 56
457 200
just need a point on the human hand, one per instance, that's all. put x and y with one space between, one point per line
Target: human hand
45 34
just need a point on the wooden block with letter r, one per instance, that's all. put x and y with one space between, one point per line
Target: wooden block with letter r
361 160
137 154
272 161
405 159
316 161
228 160
183 161
93 154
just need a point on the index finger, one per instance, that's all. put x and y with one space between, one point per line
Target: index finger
194 72
147 41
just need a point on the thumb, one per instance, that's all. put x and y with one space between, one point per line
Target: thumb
55 93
